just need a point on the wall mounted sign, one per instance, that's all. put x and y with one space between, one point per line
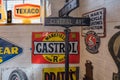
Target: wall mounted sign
8 50
97 22
27 11
114 48
92 41
17 73
49 47
59 73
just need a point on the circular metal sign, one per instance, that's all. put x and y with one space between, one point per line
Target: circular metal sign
92 41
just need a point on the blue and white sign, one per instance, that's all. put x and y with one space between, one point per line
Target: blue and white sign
8 50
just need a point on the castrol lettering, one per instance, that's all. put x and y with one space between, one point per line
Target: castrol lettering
54 47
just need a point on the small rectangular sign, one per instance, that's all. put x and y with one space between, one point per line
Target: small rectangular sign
67 21
27 11
71 5
97 22
59 73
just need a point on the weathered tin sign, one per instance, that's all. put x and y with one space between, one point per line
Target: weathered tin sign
49 47
8 50
97 22
27 11
59 73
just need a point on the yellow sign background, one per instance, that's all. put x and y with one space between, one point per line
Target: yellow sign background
55 58
60 73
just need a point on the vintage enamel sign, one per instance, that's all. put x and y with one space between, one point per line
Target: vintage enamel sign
59 73
97 22
92 42
8 50
27 11
49 47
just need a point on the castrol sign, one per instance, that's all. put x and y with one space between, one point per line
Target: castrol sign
27 11
49 47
